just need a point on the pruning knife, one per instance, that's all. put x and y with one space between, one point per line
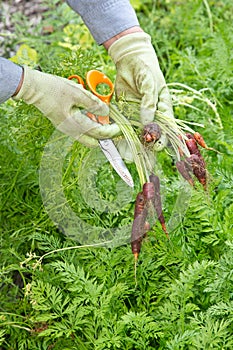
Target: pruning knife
111 153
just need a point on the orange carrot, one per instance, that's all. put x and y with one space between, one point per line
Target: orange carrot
200 140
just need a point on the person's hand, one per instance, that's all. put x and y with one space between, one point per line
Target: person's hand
64 103
139 77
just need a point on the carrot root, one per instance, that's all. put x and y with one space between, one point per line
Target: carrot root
136 256
149 195
200 140
151 133
184 170
199 170
139 224
158 203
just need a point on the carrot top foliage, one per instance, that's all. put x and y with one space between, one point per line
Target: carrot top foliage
72 291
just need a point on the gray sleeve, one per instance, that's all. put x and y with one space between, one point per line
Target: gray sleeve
10 75
105 18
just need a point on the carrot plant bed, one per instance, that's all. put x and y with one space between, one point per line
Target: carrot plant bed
67 272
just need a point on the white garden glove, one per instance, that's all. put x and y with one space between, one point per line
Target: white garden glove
139 77
64 103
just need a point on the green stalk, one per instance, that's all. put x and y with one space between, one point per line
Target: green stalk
139 154
195 94
173 128
209 15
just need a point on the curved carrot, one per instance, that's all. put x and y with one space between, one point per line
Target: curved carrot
139 224
200 140
184 170
158 203
196 160
148 191
192 145
199 170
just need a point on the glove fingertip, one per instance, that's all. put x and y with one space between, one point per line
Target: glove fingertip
99 108
146 115
87 141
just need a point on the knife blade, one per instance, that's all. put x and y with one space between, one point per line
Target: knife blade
111 153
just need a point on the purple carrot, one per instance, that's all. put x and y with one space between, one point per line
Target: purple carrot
158 203
184 170
199 169
139 224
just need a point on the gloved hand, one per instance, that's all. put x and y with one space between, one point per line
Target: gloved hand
61 101
139 77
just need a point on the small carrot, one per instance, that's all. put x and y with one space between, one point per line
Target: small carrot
192 145
139 228
148 191
139 224
184 170
200 140
196 160
150 195
158 203
179 148
151 133
139 205
199 169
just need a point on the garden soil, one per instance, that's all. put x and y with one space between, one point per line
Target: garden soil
32 9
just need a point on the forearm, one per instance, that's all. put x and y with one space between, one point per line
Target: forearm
10 78
106 18
110 41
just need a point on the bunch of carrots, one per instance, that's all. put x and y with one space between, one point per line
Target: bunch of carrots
188 166
195 164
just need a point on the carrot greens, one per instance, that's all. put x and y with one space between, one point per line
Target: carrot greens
80 291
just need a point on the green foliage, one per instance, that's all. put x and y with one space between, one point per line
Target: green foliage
57 294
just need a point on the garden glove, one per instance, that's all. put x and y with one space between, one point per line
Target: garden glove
63 102
139 77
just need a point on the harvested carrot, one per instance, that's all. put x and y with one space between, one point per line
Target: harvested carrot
196 160
139 224
139 205
158 203
200 140
148 191
199 169
139 228
192 145
150 195
184 170
151 133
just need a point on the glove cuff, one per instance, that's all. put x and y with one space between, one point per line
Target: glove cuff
129 44
29 90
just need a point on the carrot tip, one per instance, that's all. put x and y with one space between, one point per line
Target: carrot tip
191 182
165 230
135 256
164 227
